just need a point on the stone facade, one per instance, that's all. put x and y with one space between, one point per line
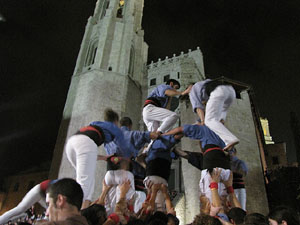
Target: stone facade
16 187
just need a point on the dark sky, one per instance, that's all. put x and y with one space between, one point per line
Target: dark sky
256 42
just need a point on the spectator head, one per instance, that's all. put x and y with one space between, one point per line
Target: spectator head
232 151
236 215
173 83
94 214
172 220
64 199
111 116
126 121
255 219
283 215
158 218
205 220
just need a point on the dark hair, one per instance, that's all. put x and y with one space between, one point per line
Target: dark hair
126 121
175 82
255 219
135 221
237 215
285 213
205 220
110 115
157 218
173 218
94 214
68 188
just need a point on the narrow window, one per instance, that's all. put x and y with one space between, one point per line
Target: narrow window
178 75
16 187
120 9
275 160
166 78
153 82
104 9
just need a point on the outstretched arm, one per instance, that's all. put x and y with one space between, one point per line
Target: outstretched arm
173 92
177 130
233 199
105 189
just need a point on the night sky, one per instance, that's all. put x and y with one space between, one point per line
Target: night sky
255 42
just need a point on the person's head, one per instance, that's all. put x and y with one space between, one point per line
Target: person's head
232 151
126 121
283 215
172 220
111 116
255 219
236 215
205 220
95 214
63 197
135 221
173 83
157 218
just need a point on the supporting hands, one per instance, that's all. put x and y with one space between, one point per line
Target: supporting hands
124 187
215 175
228 183
154 135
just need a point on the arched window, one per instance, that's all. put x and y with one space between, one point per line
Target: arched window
91 53
131 62
120 8
105 7
16 187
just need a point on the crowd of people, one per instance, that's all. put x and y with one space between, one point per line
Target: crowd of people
135 186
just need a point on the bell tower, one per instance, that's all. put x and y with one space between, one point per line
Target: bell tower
109 72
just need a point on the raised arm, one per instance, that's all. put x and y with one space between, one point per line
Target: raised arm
173 92
105 189
177 130
233 199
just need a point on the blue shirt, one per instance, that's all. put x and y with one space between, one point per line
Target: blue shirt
161 148
114 133
159 94
239 166
204 134
135 138
198 95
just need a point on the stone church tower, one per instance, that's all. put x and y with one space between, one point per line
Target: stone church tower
111 71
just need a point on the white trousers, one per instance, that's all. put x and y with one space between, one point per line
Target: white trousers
240 193
114 178
153 115
216 109
33 196
205 182
82 153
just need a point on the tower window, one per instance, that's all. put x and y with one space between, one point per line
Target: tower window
153 82
120 9
106 4
166 78
16 187
178 75
91 54
275 160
